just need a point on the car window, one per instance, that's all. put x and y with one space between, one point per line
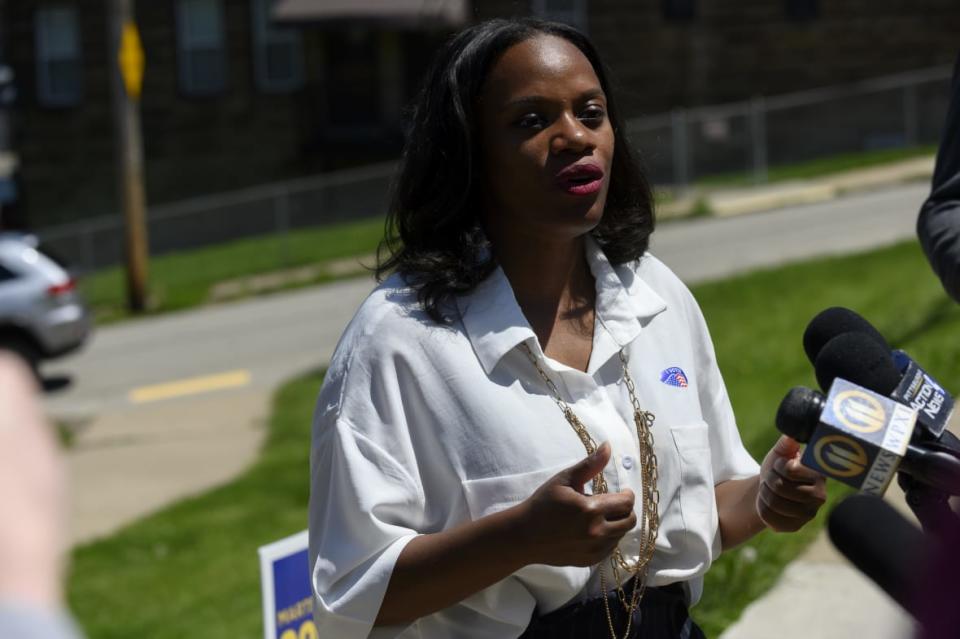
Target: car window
55 257
6 274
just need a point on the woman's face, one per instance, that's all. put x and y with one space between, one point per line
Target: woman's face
546 140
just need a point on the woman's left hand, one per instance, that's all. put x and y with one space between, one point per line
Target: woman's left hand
790 494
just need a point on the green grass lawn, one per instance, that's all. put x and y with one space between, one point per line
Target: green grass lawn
757 322
183 280
191 570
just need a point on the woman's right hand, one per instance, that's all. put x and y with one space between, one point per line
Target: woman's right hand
561 526
557 525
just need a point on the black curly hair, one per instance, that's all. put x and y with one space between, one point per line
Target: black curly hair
433 233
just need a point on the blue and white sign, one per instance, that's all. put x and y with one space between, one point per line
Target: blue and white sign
287 595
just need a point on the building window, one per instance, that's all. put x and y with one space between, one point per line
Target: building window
803 10
354 77
202 56
278 52
572 12
679 10
59 71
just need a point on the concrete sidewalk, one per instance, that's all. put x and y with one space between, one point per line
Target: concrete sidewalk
820 595
724 202
177 450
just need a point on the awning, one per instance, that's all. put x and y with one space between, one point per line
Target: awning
453 13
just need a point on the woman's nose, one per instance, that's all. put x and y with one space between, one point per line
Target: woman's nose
571 135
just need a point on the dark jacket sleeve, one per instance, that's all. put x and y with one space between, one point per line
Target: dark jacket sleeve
938 225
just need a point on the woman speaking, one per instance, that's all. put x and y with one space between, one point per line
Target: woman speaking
523 431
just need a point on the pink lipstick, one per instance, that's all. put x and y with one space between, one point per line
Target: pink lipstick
584 178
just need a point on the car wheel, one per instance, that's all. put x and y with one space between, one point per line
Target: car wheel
25 350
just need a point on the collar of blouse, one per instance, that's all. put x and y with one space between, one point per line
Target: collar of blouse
494 323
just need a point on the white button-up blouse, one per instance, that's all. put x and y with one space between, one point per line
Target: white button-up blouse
420 426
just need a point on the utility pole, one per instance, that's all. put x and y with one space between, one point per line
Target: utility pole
126 83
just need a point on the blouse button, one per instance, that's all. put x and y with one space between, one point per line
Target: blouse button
627 462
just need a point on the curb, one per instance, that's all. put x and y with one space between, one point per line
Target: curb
740 201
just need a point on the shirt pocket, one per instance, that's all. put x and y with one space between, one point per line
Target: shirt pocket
489 495
697 497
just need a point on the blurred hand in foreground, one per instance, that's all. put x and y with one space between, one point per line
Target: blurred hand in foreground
32 494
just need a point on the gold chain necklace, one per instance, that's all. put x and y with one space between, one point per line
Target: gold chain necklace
650 519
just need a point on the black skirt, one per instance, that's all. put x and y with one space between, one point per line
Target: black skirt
662 614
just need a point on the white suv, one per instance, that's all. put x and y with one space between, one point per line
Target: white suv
41 313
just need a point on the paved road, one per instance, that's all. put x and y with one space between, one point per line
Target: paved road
278 336
272 337
712 248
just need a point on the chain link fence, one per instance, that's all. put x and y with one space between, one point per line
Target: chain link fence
678 148
750 137
271 209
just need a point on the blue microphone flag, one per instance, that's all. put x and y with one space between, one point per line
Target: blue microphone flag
922 392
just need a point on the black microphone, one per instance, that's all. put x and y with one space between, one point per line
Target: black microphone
914 387
859 358
834 321
883 545
862 439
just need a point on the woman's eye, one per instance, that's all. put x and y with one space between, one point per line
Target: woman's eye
593 114
531 121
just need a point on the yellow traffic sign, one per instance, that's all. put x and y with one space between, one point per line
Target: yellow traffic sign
131 60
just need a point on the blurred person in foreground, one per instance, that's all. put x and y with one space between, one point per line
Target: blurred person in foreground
523 431
32 513
938 225
938 611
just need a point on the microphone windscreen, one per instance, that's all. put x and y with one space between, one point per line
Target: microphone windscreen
882 544
859 359
799 413
832 322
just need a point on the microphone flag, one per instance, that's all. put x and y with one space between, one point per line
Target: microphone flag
861 437
922 392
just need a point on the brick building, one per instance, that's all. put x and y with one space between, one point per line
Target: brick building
230 99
